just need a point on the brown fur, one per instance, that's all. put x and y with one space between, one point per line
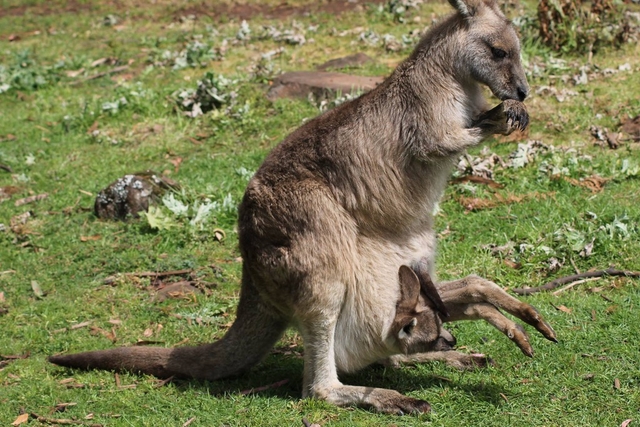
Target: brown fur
348 198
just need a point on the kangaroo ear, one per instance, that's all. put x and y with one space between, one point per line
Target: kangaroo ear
407 328
468 8
409 289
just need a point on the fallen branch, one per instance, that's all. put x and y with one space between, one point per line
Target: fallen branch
104 73
577 282
574 278
31 199
62 421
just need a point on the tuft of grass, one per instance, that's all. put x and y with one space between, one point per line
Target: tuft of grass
66 133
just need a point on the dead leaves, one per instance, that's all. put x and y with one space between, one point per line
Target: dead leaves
22 418
593 183
475 203
631 126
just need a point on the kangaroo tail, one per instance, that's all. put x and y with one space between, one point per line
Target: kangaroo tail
249 339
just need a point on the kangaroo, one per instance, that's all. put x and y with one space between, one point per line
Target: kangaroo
344 201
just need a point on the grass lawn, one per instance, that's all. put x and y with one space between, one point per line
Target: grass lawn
91 91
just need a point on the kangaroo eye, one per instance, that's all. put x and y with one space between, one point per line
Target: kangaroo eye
498 53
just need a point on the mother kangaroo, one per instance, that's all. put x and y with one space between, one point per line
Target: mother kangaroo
347 199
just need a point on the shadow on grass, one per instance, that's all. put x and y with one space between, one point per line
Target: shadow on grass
281 377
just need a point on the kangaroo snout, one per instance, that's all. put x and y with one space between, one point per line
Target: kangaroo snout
523 91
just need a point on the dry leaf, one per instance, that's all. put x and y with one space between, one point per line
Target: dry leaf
176 161
22 418
90 238
616 384
2 298
625 423
147 332
611 309
219 234
99 62
564 309
74 73
61 407
37 290
512 264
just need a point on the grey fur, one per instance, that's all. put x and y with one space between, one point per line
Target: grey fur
348 198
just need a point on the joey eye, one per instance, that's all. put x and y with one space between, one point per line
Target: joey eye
498 53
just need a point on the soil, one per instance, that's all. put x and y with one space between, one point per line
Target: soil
235 10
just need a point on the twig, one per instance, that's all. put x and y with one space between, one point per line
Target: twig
160 274
104 73
31 199
575 267
6 168
189 421
577 282
61 421
568 279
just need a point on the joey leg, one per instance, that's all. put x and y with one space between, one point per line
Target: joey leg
473 298
452 358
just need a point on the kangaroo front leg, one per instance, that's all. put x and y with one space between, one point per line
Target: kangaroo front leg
503 119
321 378
476 298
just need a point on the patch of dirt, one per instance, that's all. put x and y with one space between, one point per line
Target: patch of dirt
234 10
71 6
283 10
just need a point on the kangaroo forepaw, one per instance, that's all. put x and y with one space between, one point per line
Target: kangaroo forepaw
505 118
516 114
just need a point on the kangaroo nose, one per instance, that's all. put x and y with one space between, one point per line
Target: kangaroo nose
522 93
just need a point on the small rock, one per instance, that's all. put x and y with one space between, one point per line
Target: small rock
299 84
355 60
131 194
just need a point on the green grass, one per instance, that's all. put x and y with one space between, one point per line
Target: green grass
592 377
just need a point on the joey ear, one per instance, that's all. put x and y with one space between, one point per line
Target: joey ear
407 328
429 289
409 289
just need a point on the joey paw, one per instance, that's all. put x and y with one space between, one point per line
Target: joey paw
516 115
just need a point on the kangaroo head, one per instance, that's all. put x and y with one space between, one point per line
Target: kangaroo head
490 49
417 326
